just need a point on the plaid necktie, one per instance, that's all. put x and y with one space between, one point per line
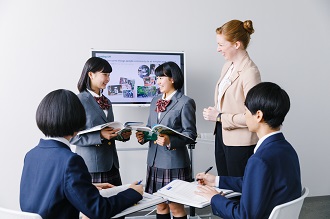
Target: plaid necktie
161 105
103 102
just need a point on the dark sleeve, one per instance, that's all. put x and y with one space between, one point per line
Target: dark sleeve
82 194
255 194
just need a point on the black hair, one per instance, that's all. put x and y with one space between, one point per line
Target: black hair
172 70
60 113
93 64
272 100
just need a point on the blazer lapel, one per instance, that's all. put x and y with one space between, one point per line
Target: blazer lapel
95 106
234 75
174 101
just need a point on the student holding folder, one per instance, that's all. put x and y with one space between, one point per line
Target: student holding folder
98 149
272 174
168 157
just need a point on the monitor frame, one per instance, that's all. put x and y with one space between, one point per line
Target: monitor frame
164 56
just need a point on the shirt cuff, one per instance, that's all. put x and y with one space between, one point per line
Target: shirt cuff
217 181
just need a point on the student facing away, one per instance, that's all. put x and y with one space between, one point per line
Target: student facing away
55 182
272 174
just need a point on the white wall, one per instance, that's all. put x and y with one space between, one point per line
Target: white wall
44 44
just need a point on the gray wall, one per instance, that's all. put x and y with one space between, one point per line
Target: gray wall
44 44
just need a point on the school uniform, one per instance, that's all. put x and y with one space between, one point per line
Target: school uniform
56 184
100 155
169 162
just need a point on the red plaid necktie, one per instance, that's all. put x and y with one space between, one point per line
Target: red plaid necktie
161 105
103 102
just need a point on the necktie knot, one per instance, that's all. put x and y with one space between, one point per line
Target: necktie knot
161 105
103 102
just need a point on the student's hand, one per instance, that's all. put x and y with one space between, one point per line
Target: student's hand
109 133
163 140
206 191
210 113
139 136
205 179
126 135
101 186
138 188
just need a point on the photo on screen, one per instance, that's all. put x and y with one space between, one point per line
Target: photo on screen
133 79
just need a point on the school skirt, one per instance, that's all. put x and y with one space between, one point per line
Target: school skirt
158 178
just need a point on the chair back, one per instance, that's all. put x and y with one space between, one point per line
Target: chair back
12 214
290 209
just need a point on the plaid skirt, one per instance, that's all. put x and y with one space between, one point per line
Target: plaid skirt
112 177
158 178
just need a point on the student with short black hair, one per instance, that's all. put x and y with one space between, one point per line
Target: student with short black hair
272 174
55 182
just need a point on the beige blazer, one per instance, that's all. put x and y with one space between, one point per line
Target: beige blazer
234 129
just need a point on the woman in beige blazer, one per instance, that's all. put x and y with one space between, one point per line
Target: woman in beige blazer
234 143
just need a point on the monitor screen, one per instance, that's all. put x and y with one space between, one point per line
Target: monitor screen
133 79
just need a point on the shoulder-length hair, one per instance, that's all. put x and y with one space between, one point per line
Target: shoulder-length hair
60 113
93 64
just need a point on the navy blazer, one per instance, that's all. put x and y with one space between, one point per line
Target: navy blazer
56 184
272 177
98 155
179 115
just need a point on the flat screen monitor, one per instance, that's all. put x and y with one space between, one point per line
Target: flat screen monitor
133 79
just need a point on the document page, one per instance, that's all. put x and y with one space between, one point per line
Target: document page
184 192
147 201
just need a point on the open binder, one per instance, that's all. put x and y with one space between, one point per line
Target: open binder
183 192
147 201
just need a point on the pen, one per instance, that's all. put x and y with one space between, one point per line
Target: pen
208 169
139 182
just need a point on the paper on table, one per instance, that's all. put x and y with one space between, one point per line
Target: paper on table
147 201
184 192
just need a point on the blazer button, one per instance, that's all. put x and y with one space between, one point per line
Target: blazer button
109 143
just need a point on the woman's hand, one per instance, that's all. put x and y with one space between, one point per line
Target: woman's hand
109 133
163 140
139 137
210 114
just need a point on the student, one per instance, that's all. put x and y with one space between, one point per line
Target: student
234 143
272 174
168 157
55 181
98 148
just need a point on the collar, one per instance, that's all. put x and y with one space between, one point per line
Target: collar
169 96
94 94
264 138
60 139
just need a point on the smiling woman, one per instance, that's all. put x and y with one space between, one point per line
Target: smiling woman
234 143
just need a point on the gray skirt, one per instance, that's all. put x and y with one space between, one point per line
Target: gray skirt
158 178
